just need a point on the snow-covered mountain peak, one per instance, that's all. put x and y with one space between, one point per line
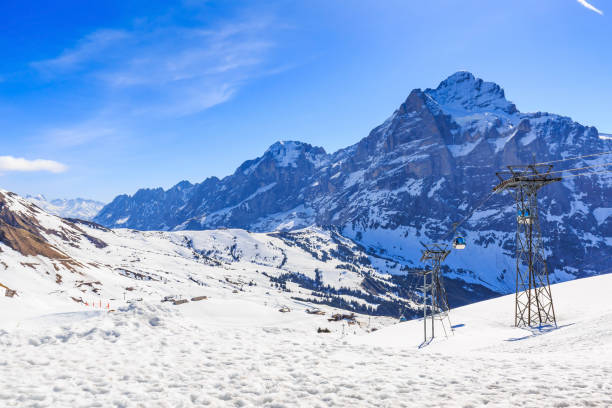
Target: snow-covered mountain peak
462 92
605 136
183 185
67 208
36 197
287 153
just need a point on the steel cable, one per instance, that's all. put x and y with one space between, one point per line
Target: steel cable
578 168
575 158
588 173
458 224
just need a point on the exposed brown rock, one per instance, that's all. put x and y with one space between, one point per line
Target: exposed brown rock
197 298
23 233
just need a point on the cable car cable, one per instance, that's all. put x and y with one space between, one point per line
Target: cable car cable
575 158
588 174
563 171
578 168
458 224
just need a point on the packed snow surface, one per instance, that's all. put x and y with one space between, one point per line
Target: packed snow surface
239 350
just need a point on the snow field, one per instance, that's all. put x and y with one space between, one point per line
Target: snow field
240 352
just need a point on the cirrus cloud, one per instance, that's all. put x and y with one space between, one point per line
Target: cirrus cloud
10 163
169 70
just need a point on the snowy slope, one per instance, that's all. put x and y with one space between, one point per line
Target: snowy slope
42 256
47 259
239 351
68 208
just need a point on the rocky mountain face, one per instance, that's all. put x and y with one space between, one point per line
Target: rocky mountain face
271 184
80 208
429 165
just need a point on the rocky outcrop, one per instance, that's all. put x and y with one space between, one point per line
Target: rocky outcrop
22 231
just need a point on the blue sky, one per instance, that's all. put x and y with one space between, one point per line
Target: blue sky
102 98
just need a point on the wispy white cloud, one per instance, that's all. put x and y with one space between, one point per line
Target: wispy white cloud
80 133
10 163
590 6
170 70
88 48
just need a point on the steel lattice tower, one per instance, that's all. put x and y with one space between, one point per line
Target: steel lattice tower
534 304
434 294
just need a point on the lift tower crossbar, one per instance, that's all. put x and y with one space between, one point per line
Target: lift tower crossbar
434 294
534 304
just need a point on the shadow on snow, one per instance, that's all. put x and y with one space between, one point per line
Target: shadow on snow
538 331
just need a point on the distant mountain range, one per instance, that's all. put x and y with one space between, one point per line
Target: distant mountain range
431 163
68 208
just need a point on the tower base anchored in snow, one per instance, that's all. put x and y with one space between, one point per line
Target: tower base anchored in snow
434 294
534 305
